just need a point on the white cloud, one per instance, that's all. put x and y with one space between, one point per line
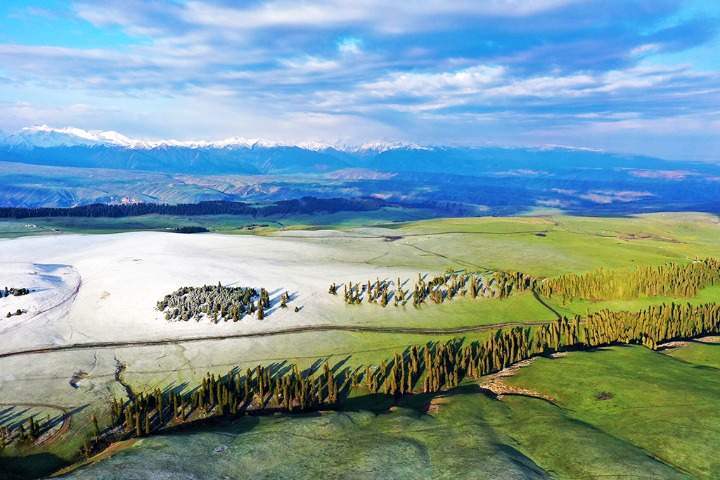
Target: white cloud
349 46
466 81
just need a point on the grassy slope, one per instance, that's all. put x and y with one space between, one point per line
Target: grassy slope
456 313
698 353
571 244
468 434
396 444
665 406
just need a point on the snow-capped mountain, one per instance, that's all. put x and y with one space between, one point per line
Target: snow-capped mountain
66 166
44 136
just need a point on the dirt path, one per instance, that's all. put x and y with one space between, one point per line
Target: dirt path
287 331
495 383
66 418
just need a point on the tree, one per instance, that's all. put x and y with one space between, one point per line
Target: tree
96 428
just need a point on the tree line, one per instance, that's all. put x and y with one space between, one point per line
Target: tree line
419 369
304 205
644 281
439 289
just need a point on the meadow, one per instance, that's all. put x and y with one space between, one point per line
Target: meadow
506 436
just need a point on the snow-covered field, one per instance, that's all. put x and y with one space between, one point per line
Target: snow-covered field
96 288
104 288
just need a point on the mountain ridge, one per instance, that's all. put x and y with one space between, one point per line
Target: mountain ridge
45 166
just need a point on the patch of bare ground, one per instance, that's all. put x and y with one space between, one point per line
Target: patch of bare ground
495 382
106 453
435 404
671 346
680 344
645 236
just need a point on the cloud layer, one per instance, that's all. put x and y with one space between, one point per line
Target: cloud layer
610 74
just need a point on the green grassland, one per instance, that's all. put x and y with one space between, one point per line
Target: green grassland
661 421
570 244
698 353
665 406
456 313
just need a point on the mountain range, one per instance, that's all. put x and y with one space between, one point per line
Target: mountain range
46 166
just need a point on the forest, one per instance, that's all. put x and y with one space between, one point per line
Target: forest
644 281
190 229
304 205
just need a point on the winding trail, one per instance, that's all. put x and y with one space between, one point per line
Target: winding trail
66 419
287 331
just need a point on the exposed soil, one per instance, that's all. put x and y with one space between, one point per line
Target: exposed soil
495 383
645 236
604 396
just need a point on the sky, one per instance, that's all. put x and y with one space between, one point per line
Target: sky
634 76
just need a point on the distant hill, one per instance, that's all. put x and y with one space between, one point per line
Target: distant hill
49 167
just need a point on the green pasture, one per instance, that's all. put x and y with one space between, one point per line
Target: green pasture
569 244
698 353
663 405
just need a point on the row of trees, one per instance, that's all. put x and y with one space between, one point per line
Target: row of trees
216 302
644 281
259 389
424 368
439 289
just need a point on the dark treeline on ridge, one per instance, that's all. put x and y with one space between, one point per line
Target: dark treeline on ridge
305 205
191 229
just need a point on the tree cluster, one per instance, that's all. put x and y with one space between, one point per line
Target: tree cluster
18 292
191 229
215 302
20 433
644 281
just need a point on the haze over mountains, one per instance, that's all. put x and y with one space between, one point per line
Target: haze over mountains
45 166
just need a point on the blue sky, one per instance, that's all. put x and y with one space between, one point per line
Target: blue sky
619 75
